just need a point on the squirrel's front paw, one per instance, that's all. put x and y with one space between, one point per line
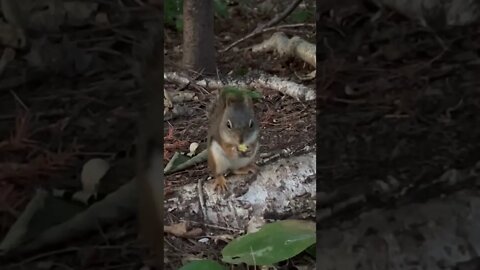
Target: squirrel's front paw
245 151
220 184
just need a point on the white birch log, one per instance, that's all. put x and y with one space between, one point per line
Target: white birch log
441 233
254 79
284 187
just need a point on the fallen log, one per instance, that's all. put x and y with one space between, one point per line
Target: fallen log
280 189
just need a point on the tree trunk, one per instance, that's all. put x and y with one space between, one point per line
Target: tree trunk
198 36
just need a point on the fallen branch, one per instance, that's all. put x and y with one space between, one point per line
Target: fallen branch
14 237
262 27
116 207
256 80
293 47
170 101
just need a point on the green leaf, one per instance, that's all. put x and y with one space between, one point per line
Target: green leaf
179 23
273 243
230 90
203 265
220 7
172 12
181 162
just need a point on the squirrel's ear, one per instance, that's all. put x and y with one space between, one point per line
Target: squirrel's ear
248 101
229 99
222 97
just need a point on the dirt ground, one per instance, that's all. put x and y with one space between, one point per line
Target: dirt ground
395 100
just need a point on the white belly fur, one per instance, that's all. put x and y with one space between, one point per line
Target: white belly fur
223 163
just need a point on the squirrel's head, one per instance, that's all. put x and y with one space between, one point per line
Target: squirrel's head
238 124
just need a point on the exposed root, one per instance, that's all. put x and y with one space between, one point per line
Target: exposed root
293 47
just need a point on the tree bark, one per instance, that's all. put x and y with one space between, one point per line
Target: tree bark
198 36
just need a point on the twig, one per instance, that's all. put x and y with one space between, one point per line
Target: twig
190 81
294 25
96 154
201 199
48 254
57 112
262 27
280 16
217 226
17 98
257 80
63 251
104 50
276 28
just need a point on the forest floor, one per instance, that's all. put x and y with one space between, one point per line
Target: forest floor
395 101
285 122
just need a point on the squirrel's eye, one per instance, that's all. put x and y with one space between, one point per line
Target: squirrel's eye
229 124
250 124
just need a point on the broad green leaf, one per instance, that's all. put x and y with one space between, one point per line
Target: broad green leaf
273 243
203 265
181 162
175 161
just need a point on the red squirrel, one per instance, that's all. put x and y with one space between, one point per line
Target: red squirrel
232 137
